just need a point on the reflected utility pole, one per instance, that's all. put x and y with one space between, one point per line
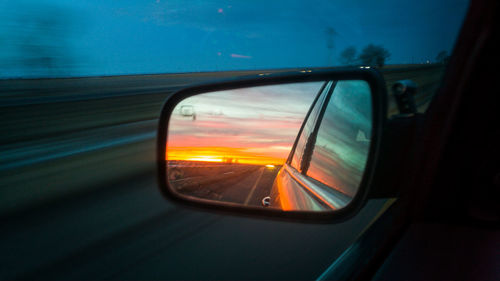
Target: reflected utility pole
330 33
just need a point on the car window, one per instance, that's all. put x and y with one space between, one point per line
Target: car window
343 140
81 87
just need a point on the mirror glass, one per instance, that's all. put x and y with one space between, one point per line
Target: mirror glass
293 147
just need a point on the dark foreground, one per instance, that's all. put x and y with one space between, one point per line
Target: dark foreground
127 231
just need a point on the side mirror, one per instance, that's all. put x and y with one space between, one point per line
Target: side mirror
297 145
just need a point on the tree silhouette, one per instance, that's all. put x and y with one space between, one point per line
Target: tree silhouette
374 55
348 56
442 57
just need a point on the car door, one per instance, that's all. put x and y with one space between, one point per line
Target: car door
334 135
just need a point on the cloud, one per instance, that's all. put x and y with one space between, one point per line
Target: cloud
240 56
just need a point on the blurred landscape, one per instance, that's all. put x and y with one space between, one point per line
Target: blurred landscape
64 137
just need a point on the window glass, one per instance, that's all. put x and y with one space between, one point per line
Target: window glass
61 138
343 140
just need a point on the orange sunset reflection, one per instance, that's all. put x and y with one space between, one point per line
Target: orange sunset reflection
255 125
224 155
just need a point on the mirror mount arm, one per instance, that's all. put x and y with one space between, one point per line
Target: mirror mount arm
398 149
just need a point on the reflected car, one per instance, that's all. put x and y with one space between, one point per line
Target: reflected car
326 164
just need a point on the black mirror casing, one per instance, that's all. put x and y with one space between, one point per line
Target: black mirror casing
379 112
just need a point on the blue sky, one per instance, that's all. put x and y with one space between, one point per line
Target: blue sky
104 37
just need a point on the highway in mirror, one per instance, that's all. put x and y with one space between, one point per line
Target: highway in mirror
229 145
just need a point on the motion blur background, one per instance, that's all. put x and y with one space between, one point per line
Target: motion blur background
81 87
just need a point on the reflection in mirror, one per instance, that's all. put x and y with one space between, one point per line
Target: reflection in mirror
300 146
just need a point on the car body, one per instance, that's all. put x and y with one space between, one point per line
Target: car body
330 136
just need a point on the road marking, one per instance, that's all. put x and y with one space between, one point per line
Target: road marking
184 179
254 186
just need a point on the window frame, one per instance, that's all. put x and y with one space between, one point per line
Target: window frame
328 87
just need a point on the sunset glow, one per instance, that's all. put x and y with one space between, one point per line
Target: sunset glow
221 154
255 125
205 159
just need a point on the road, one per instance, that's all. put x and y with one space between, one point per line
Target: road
243 184
79 198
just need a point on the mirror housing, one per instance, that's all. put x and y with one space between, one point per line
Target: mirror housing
377 87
